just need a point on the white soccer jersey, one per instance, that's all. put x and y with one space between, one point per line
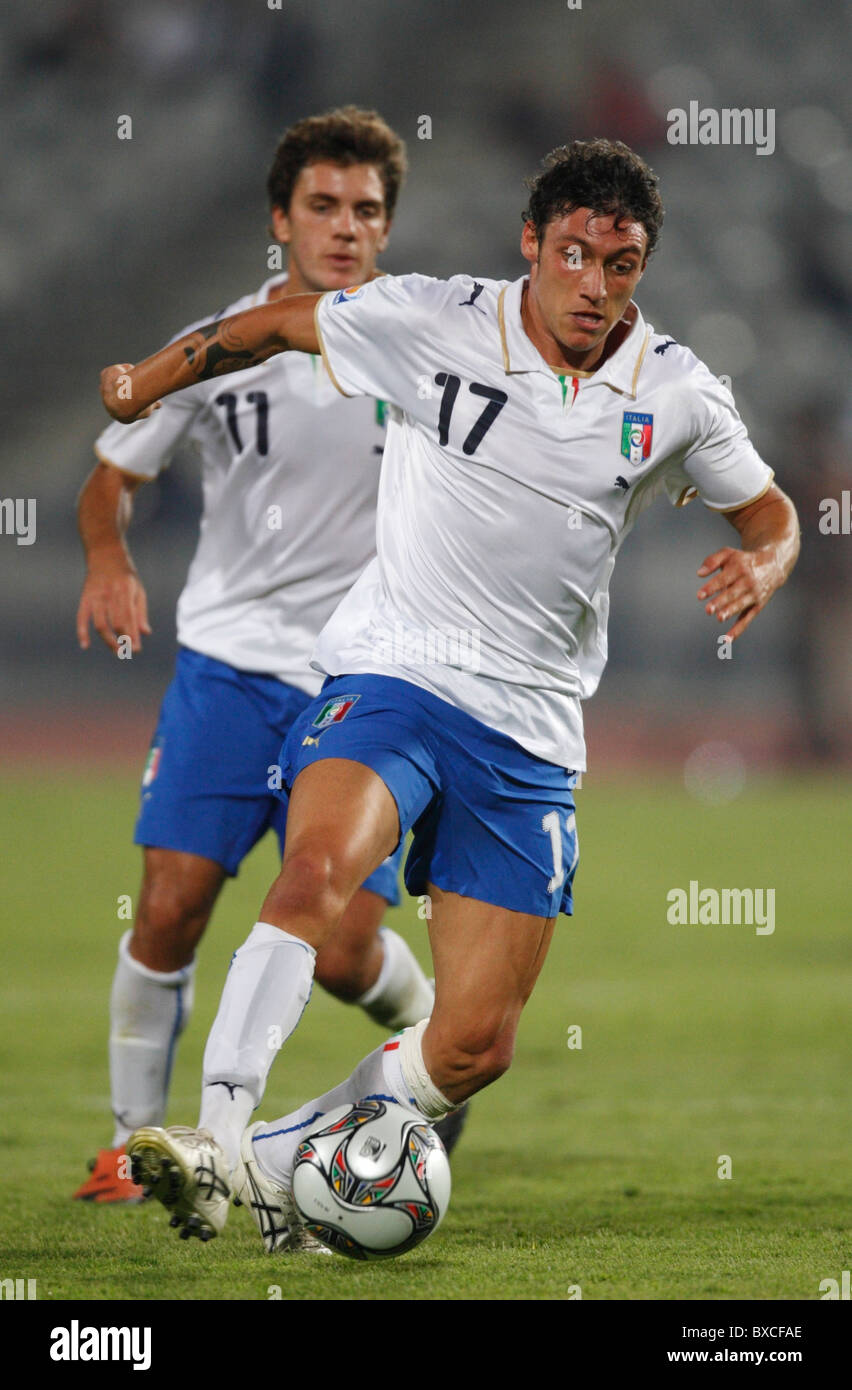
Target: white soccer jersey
506 492
290 476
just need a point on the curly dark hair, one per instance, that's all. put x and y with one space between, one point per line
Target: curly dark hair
347 135
603 175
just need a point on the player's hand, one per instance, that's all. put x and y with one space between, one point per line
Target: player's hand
114 601
117 394
743 583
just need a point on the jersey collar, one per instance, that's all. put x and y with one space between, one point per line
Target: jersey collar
620 372
262 296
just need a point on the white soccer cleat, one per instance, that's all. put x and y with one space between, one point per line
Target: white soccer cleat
270 1203
304 1241
186 1170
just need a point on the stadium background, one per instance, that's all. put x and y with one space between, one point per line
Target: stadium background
108 246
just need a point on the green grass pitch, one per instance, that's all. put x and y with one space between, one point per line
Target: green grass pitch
592 1168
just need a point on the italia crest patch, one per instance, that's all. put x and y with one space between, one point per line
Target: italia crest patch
637 431
334 711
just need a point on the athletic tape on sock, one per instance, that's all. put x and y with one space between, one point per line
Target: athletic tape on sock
432 1102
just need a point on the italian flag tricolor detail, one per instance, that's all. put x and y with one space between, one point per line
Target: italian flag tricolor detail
152 766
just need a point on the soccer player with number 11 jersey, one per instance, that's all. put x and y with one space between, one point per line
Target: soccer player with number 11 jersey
530 423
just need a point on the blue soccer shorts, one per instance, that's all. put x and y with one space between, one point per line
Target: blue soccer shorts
211 779
489 819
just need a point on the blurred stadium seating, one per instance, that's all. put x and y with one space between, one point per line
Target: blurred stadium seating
108 246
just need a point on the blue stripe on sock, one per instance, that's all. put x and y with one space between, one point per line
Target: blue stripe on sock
176 1027
318 1115
275 1132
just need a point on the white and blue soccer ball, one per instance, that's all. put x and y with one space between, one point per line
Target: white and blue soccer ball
372 1181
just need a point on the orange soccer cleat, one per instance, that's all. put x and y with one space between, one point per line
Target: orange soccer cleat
109 1179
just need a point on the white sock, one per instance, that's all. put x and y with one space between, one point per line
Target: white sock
385 1074
401 995
267 988
149 1010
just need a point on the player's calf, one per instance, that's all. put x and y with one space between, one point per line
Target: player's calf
177 896
462 1060
350 961
348 969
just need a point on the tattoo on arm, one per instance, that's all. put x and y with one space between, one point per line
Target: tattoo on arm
217 349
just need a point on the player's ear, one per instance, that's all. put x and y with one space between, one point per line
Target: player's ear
529 243
280 225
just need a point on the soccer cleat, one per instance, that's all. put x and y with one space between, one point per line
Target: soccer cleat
185 1169
271 1204
450 1128
308 1244
109 1179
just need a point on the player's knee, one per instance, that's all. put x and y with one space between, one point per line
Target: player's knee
309 887
171 911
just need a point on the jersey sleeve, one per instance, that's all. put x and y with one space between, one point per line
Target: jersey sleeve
371 337
146 447
720 465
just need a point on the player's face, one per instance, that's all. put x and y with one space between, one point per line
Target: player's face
335 227
583 273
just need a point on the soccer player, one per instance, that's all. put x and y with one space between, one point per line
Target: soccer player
281 543
530 424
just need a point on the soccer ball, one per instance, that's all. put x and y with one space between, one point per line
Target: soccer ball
373 1181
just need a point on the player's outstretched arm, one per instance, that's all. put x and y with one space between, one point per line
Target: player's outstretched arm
113 598
744 580
229 345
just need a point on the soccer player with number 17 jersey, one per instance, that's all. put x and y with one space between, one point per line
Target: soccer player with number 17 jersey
280 544
530 424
